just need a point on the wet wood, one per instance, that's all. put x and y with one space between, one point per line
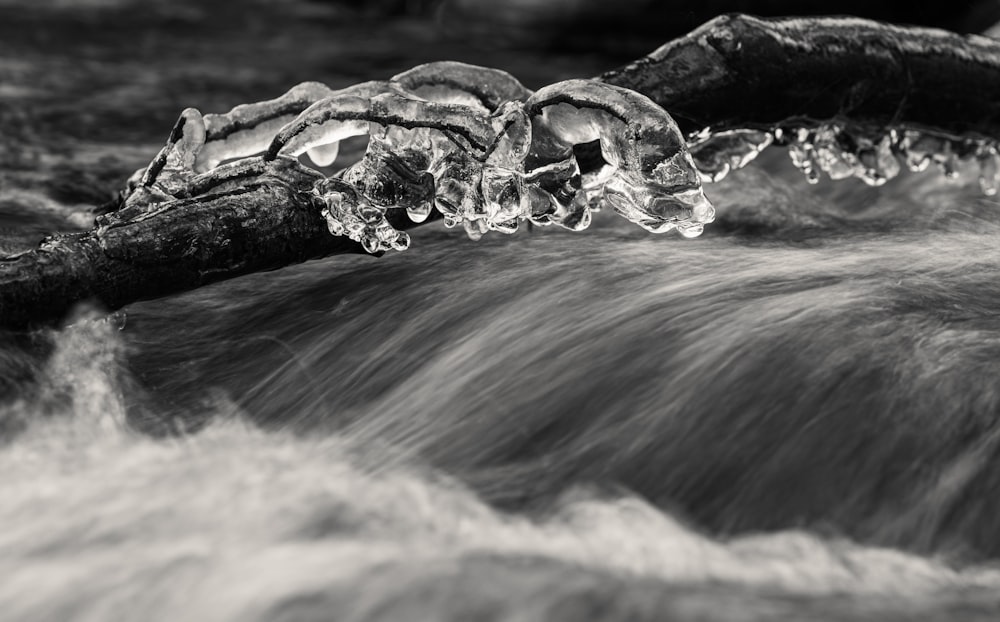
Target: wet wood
741 71
180 246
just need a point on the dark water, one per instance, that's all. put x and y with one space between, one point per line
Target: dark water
792 417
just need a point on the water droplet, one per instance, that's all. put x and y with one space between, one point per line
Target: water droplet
801 156
419 212
878 162
402 241
948 162
989 169
831 157
348 214
691 230
475 229
654 208
504 197
716 155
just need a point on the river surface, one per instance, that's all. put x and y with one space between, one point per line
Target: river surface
794 417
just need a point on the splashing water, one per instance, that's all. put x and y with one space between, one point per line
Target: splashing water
756 434
238 523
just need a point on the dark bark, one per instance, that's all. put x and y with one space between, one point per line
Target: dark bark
735 71
185 245
740 71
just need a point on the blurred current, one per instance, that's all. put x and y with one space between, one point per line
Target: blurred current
794 416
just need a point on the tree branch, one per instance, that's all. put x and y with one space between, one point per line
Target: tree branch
734 72
738 71
182 246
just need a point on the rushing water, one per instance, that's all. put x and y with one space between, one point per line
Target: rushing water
794 416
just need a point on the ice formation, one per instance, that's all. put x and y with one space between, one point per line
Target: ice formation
488 154
842 150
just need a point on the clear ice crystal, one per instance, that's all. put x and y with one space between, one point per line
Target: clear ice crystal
466 152
391 176
840 152
989 168
348 214
716 154
831 158
555 196
504 198
800 151
653 181
877 162
655 209
876 155
919 149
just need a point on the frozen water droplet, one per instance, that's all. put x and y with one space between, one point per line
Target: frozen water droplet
370 243
801 156
369 214
452 196
392 179
504 197
920 148
555 196
703 211
577 219
654 207
506 227
949 164
831 157
419 212
716 155
474 228
540 208
989 169
324 155
691 230
513 130
878 162
348 214
401 242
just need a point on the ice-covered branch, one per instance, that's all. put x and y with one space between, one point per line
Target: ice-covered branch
230 193
849 97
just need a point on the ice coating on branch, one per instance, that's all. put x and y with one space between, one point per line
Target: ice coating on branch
393 171
481 88
717 154
168 175
470 141
347 213
989 169
840 152
481 196
248 129
876 155
502 186
342 116
653 183
488 154
441 155
801 153
555 197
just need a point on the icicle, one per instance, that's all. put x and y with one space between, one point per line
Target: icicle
717 154
989 168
